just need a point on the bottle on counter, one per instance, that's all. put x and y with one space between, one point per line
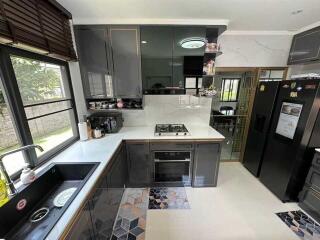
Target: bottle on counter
4 196
89 129
83 131
27 175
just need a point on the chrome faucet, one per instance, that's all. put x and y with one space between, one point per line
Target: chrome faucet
13 190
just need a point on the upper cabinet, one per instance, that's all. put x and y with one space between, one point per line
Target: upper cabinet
125 45
109 58
167 59
129 61
156 57
94 59
305 47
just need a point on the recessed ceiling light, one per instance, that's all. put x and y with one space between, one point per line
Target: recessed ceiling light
192 43
144 42
297 12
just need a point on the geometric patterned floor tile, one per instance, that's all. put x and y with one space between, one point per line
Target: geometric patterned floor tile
130 224
302 225
168 198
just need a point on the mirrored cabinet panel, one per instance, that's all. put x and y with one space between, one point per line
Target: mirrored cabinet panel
93 50
169 55
156 57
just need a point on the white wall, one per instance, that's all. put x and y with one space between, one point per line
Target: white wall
254 50
170 109
78 89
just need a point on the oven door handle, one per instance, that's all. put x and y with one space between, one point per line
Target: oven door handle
169 161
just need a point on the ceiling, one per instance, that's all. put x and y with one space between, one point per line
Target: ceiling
242 15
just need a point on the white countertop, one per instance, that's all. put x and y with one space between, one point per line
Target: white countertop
101 150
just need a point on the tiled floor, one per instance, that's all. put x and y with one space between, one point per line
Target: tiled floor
301 224
240 208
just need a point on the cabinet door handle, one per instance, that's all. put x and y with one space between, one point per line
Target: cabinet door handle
171 161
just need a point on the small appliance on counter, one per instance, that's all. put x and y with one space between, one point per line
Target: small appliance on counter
108 122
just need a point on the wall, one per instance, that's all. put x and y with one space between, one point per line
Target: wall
254 50
78 90
170 109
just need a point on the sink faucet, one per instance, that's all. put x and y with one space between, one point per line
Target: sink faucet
10 184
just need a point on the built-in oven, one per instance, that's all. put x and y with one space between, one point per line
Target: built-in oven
172 167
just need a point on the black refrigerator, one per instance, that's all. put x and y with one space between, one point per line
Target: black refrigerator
289 148
262 111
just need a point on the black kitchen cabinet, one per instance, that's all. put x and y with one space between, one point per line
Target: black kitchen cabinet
110 61
125 45
107 196
156 57
186 61
310 202
305 47
82 228
206 164
309 197
139 164
93 49
164 60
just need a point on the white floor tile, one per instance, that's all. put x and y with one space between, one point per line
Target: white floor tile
239 208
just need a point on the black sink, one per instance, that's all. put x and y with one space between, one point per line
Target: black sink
40 215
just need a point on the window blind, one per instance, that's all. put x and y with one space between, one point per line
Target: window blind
37 24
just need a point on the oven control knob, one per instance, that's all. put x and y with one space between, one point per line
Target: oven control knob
185 134
159 134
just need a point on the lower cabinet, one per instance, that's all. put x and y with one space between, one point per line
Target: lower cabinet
206 164
139 164
82 228
107 198
97 218
310 202
309 197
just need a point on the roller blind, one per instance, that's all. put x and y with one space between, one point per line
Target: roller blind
39 24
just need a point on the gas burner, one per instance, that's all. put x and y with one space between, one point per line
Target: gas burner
171 130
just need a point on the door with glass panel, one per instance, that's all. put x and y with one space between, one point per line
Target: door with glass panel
230 108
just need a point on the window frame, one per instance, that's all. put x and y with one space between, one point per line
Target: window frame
197 82
231 83
17 108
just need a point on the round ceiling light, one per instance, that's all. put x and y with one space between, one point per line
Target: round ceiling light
192 43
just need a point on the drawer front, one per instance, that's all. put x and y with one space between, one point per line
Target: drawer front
171 146
310 201
313 178
316 160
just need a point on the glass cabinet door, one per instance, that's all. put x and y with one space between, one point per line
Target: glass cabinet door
92 46
187 62
156 56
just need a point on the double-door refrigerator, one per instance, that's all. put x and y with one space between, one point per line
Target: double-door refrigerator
290 142
262 111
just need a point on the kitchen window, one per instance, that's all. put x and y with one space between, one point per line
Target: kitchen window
40 100
9 137
229 89
193 85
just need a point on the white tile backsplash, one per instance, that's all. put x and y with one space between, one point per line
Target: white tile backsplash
170 109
